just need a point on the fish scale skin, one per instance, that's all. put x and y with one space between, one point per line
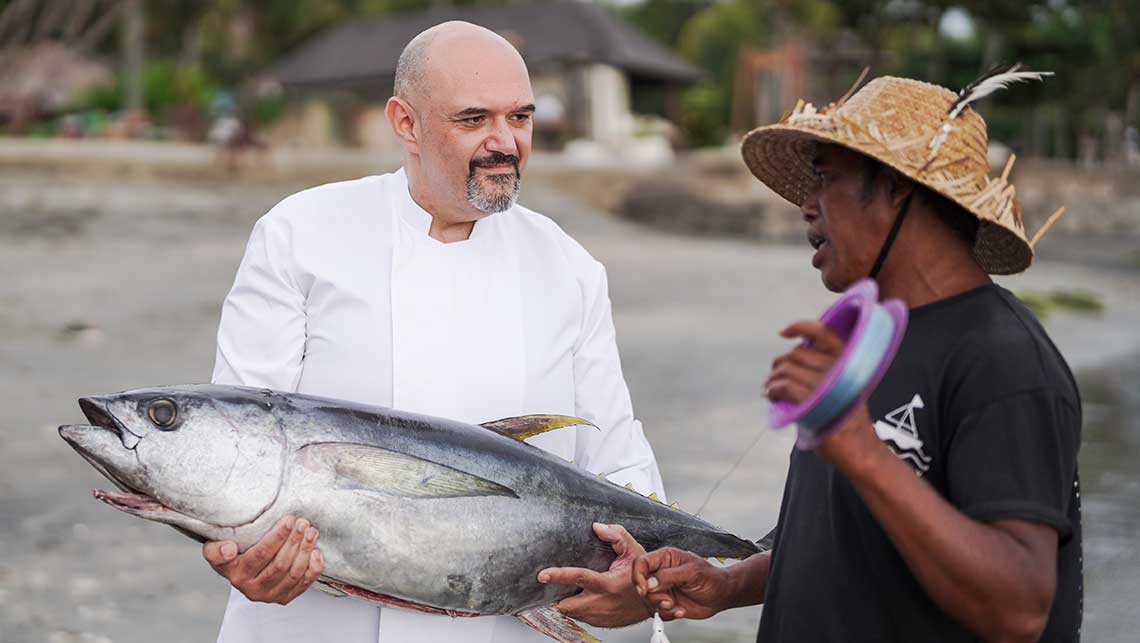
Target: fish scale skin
477 553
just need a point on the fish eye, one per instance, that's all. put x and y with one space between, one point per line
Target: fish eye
163 412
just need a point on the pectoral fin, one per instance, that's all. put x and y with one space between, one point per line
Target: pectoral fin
556 625
375 470
329 589
525 426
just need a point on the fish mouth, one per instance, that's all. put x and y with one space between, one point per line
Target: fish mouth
87 441
95 410
132 502
84 437
132 499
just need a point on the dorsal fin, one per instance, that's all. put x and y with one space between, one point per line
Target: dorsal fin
525 426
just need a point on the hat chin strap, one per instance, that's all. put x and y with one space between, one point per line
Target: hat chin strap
890 240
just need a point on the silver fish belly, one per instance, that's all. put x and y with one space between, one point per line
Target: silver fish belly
413 510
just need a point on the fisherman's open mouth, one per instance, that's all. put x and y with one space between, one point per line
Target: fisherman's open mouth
816 239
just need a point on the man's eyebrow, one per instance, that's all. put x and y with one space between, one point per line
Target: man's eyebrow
471 111
483 111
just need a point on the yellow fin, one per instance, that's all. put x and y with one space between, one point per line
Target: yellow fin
555 624
526 426
629 485
653 496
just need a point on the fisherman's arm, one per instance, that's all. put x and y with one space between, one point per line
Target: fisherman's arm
995 577
261 342
680 584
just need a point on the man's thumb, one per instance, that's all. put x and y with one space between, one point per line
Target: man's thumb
219 552
618 537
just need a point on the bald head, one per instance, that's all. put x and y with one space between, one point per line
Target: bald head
439 47
462 113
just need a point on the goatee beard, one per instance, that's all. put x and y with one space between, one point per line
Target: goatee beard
495 200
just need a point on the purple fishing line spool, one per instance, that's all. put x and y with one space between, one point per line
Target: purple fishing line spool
871 333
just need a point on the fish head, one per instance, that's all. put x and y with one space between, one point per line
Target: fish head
197 457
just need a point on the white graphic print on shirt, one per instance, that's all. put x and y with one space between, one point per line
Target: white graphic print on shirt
899 430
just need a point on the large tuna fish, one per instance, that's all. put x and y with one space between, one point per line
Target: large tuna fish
413 510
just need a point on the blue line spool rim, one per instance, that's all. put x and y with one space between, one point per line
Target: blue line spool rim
862 297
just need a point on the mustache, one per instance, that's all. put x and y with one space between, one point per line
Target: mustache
495 158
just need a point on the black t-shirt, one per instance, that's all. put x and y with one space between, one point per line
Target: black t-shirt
983 407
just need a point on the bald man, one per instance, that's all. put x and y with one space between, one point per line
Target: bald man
430 290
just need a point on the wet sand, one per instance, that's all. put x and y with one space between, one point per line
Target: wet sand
113 284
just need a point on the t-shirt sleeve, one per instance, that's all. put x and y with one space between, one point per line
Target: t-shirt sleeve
1016 458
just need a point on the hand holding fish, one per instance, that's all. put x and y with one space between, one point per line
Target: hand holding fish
798 372
279 568
607 599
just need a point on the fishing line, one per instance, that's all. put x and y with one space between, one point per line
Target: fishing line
871 334
733 468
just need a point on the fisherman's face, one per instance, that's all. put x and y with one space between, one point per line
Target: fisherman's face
477 135
843 217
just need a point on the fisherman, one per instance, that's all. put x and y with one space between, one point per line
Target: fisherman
947 507
429 290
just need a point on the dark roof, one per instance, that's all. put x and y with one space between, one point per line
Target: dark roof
553 33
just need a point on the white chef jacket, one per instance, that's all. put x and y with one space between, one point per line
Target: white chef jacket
342 293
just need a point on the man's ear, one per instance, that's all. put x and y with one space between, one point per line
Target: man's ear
898 187
403 122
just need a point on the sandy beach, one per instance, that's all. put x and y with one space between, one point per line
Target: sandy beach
115 283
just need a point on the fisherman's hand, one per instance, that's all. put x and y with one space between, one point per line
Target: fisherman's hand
797 373
681 584
282 565
607 599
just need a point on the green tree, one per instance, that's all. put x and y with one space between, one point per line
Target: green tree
663 20
712 39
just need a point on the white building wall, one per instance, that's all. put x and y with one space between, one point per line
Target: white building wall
609 100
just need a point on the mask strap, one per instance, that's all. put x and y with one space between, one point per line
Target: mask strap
886 249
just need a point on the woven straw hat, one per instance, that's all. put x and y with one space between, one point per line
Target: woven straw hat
903 124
